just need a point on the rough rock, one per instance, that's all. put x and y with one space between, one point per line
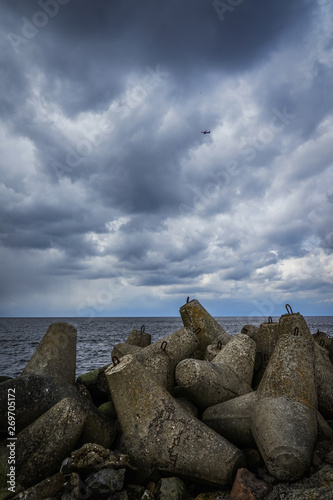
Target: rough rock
248 487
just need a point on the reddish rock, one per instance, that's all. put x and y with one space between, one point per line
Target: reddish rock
248 487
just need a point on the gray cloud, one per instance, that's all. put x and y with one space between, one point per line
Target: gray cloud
109 189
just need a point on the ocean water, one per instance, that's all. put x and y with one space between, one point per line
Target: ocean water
97 336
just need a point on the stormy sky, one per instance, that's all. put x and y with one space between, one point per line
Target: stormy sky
113 203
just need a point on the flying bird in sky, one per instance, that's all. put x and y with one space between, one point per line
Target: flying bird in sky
206 132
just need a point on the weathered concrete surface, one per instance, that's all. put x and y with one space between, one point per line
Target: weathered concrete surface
213 349
195 316
34 395
207 383
139 338
324 379
161 358
123 348
55 355
288 323
42 446
284 422
265 339
159 434
239 355
232 419
324 341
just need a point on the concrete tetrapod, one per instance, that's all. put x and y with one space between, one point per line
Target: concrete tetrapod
160 435
232 419
162 357
207 383
42 446
55 355
284 423
195 316
265 338
139 337
239 355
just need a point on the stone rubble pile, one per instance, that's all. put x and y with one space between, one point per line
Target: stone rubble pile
199 414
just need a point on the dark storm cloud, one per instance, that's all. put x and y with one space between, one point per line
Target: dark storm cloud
107 178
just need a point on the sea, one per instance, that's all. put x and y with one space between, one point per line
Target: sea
96 336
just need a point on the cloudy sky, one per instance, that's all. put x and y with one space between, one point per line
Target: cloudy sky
113 203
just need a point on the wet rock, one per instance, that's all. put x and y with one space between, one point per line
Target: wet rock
42 446
195 316
55 355
248 487
160 435
106 481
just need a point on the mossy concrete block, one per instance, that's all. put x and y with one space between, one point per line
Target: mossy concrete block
55 355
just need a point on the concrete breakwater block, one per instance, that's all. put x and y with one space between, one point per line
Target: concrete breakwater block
161 358
324 379
139 338
232 419
42 446
239 355
34 395
195 316
160 435
284 423
55 355
207 383
265 338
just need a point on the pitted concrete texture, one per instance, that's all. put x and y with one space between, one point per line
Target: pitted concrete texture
55 355
159 433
